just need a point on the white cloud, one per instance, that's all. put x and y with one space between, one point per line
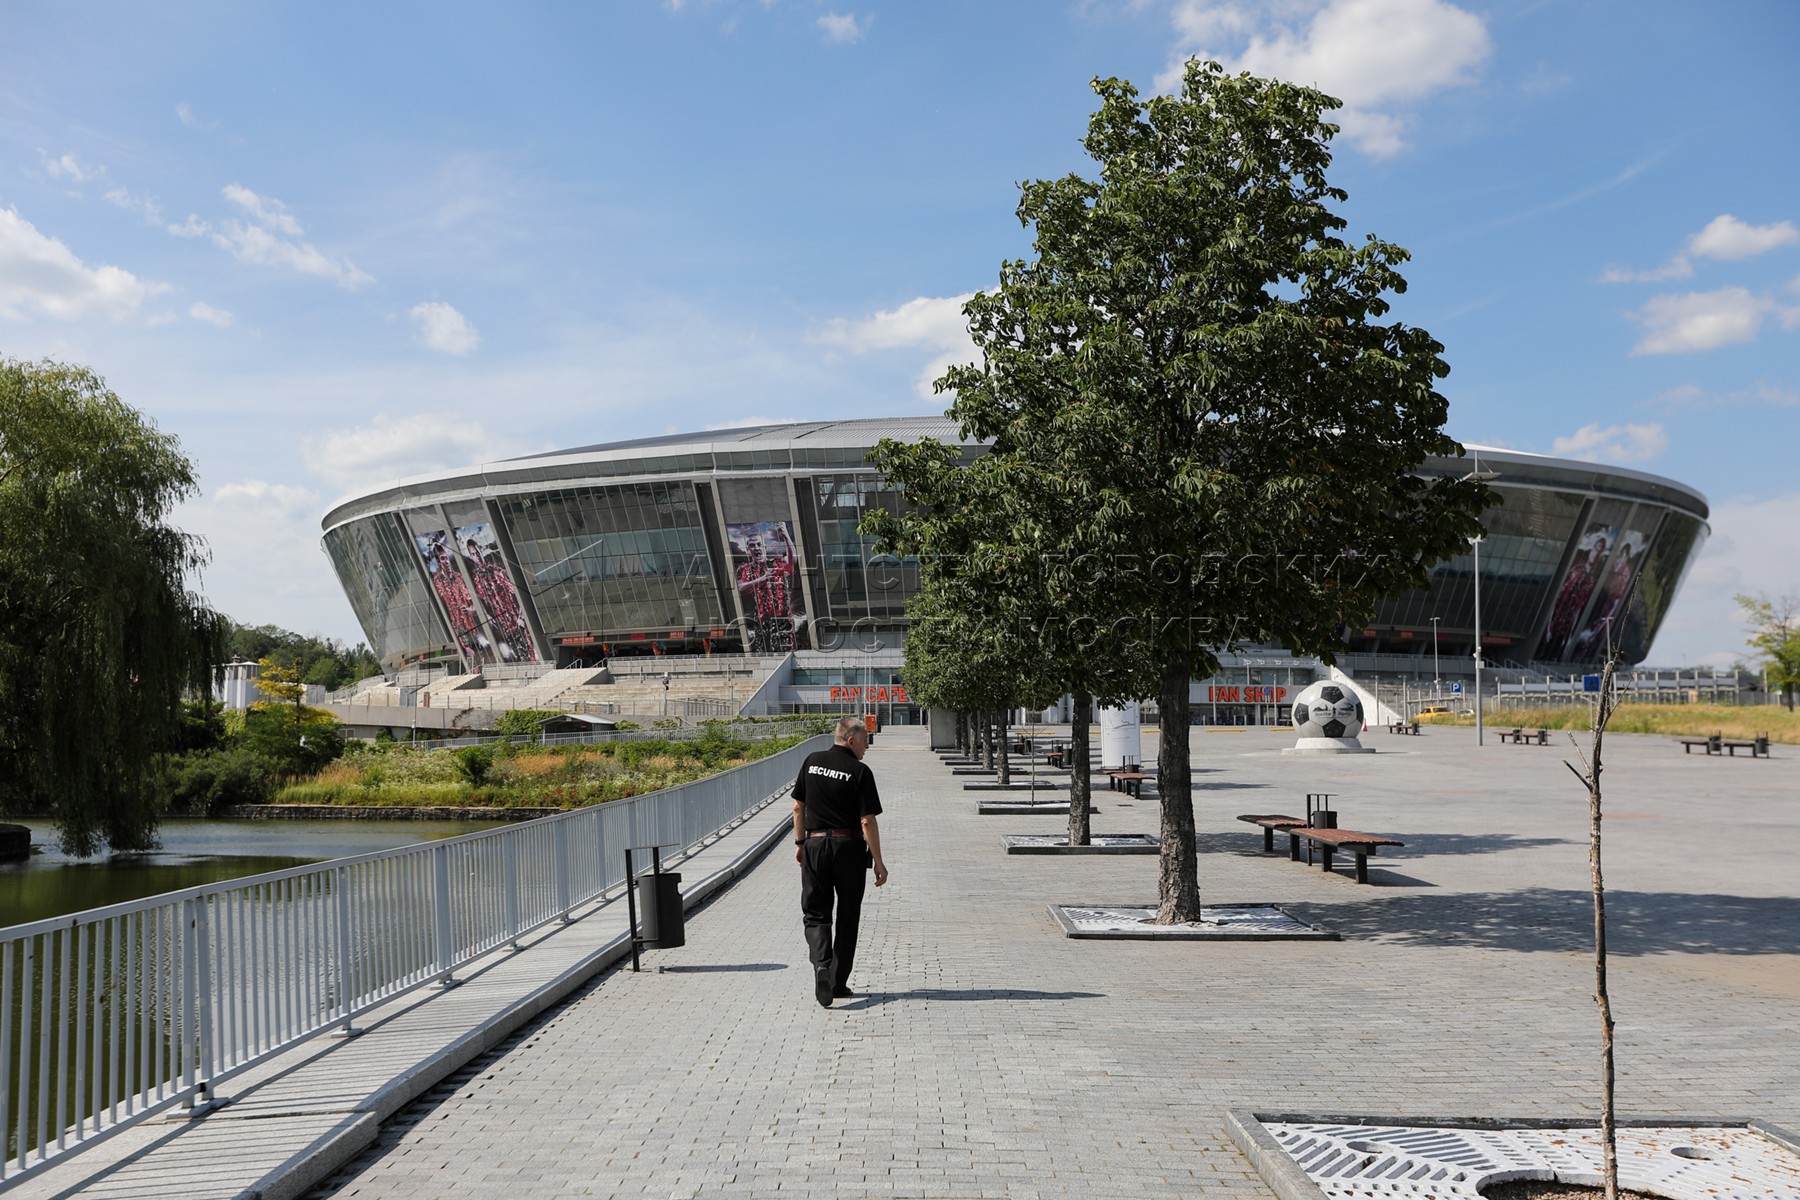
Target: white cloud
388 449
268 211
144 206
1754 547
1380 57
1729 238
256 245
267 563
933 323
441 327
1676 268
71 168
272 238
1725 237
844 27
1698 321
1613 443
1762 392
269 499
200 310
39 274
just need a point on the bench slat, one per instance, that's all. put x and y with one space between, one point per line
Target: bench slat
1339 838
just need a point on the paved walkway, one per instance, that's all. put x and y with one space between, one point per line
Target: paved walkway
989 1056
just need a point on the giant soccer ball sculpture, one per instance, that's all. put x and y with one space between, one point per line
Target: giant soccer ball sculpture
1328 717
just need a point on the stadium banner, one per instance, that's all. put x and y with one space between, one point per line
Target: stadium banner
767 567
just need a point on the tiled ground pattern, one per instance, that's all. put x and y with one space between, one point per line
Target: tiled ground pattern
990 1056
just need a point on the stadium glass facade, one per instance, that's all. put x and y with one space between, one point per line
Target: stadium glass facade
746 541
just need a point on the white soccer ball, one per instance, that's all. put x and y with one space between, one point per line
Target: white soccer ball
1328 710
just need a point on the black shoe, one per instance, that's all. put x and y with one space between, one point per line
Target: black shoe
842 991
822 991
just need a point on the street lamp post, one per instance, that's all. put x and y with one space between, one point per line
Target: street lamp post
1437 681
1484 477
1478 730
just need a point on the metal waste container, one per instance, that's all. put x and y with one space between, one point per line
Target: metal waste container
662 925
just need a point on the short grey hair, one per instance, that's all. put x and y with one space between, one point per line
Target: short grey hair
847 726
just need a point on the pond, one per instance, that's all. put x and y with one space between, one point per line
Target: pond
193 852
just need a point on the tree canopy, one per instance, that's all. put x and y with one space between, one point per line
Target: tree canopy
1211 437
1775 636
100 634
324 661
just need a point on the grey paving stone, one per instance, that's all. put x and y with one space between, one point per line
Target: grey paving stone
991 1056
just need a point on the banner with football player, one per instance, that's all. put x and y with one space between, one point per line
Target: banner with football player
766 567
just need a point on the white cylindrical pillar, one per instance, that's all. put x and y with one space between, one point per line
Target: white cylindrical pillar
1121 736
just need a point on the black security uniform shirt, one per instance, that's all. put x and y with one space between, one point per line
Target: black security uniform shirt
837 789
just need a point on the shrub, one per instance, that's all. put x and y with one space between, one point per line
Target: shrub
475 762
521 722
206 783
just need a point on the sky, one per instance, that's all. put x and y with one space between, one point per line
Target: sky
328 246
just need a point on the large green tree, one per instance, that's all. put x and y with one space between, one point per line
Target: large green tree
997 603
1194 362
100 634
1774 623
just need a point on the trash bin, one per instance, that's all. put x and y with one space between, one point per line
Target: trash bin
661 922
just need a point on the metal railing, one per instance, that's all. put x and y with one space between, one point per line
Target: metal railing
118 1013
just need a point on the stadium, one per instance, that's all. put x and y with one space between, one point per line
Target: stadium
735 553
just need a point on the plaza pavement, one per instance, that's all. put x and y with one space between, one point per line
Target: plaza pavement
989 1056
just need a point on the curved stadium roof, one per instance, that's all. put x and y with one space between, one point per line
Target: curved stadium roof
842 445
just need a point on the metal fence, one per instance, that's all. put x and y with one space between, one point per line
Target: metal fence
118 1013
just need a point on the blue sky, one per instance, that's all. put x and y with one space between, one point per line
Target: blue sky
332 245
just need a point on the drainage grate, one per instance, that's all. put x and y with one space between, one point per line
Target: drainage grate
1132 840
1367 1162
1216 921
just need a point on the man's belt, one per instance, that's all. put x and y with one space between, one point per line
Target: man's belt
834 833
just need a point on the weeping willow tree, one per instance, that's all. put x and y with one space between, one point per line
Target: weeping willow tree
100 634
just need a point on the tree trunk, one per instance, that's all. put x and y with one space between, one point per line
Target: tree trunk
1178 881
1005 747
1602 998
962 732
987 738
1080 782
1603 706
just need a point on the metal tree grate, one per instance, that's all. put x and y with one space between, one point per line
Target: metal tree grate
1367 1162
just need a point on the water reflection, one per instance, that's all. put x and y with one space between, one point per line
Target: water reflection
193 852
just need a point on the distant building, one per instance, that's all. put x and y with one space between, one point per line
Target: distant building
235 684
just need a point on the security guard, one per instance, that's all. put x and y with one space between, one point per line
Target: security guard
836 840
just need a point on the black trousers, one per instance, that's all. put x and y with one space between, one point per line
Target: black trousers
833 870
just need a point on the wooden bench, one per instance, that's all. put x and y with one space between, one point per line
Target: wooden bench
1758 746
1521 738
1714 744
1270 822
1411 727
1129 782
1339 841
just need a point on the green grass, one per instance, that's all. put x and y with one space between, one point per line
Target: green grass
525 776
1736 722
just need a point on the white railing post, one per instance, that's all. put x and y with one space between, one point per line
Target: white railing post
509 869
563 904
340 903
446 949
199 992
